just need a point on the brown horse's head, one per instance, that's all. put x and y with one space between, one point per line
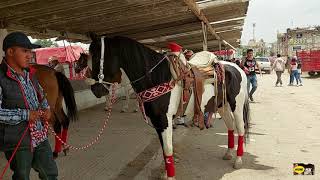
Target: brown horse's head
81 63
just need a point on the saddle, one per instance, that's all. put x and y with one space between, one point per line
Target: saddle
198 71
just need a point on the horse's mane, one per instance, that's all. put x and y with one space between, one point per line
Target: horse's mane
136 59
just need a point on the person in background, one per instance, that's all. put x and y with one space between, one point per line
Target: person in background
293 71
278 67
188 54
55 64
299 72
249 64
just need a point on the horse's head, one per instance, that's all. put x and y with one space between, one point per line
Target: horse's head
81 63
110 67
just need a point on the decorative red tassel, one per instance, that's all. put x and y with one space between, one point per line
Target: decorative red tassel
230 139
240 146
64 135
169 166
58 144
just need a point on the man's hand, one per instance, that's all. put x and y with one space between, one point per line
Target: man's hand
46 116
33 116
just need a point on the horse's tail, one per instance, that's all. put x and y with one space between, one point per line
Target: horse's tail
68 95
246 118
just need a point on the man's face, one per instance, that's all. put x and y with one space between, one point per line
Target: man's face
250 55
20 56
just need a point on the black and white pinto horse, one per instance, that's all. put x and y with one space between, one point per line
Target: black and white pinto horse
146 69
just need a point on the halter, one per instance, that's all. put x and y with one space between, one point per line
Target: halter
101 75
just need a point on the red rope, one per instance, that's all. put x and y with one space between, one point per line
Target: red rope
14 153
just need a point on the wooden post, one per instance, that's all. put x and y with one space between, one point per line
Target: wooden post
205 40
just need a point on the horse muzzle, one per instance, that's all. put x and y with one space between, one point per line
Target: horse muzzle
100 90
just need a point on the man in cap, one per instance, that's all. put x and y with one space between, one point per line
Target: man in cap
23 108
54 63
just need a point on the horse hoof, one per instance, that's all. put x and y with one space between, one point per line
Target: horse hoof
55 155
227 156
238 164
66 151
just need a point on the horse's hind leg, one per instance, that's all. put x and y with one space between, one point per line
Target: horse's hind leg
58 144
64 134
227 116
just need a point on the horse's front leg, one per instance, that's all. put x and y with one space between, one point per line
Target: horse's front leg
167 132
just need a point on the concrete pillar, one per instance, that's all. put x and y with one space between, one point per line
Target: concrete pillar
3 33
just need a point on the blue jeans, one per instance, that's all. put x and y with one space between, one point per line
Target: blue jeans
252 79
41 160
294 75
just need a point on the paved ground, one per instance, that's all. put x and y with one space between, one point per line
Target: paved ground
285 129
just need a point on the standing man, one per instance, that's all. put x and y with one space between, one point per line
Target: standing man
278 67
249 63
54 63
23 107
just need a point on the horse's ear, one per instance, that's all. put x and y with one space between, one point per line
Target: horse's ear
93 36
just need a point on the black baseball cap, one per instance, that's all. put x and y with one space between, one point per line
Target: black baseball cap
18 39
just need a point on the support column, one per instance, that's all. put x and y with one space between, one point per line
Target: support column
205 40
3 33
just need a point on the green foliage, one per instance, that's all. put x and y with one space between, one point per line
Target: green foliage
46 43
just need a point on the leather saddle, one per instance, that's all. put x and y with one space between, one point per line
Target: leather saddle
198 71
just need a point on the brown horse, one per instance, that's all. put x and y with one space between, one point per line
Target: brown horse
58 88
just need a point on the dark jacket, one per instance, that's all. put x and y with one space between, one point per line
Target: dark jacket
12 98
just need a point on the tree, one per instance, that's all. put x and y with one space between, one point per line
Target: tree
46 43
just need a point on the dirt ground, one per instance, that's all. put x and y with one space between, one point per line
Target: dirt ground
285 130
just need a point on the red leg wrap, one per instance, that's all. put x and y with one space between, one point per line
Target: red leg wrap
169 166
58 144
230 139
240 146
64 135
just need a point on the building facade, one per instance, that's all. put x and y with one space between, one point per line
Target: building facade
294 40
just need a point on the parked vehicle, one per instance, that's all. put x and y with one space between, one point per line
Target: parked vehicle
264 64
310 61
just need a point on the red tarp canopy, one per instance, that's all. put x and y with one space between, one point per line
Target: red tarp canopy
224 52
67 54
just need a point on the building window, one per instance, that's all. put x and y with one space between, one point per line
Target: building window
299 35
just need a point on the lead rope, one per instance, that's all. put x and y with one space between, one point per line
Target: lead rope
95 140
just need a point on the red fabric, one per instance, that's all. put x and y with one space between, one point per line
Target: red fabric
240 146
64 135
231 139
169 166
174 47
64 54
58 144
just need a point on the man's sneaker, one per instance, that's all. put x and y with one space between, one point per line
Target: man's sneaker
301 84
251 98
297 85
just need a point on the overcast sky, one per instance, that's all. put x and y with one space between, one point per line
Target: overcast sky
273 15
